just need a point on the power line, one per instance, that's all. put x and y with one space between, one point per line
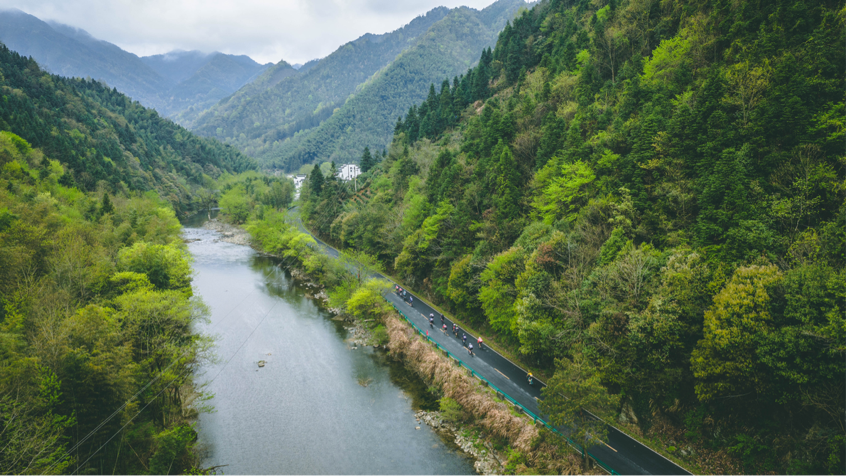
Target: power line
174 380
131 399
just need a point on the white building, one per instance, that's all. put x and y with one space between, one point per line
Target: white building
298 183
348 172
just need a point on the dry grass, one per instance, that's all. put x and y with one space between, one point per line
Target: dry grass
491 414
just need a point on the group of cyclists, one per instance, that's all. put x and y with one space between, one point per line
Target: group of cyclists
455 329
404 294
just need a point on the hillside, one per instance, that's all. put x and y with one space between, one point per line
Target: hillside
217 77
97 313
646 195
104 139
276 107
363 114
367 118
169 83
70 52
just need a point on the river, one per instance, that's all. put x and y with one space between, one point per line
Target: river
318 406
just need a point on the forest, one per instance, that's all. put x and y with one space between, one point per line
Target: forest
650 194
103 138
96 326
98 344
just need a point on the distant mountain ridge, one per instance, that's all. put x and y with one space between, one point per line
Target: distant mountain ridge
332 112
169 83
277 101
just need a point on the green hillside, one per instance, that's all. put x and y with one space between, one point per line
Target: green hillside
97 313
185 82
270 109
367 118
651 194
104 139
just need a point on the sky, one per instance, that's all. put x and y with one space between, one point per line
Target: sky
266 30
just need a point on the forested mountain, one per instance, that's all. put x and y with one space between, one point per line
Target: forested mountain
70 52
103 138
97 318
275 107
170 83
367 118
217 77
648 193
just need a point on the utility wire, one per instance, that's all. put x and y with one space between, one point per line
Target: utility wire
131 399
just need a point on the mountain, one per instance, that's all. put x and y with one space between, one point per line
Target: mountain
201 80
104 138
645 201
367 118
70 52
170 83
272 108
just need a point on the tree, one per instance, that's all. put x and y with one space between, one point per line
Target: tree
725 362
106 207
207 198
367 161
570 394
316 182
236 203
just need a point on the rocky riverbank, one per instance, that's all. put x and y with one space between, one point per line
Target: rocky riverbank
487 460
229 233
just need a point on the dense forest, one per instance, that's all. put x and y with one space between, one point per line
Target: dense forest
97 313
104 139
652 193
367 118
97 349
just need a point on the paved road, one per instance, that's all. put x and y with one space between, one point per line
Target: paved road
620 452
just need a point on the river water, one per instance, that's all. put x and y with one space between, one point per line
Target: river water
306 411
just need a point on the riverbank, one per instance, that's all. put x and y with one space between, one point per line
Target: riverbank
229 233
488 421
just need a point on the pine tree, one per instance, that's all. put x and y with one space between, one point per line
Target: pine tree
367 161
315 181
106 207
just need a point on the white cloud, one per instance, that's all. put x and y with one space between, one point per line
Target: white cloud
266 30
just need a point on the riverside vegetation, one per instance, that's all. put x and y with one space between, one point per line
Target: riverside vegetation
97 349
644 200
463 400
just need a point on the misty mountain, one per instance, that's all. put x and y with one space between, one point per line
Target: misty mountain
352 98
71 52
201 79
271 106
170 83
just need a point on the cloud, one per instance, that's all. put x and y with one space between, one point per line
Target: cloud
266 30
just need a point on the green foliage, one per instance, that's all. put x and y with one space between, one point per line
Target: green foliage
103 138
574 390
656 191
451 410
112 311
352 98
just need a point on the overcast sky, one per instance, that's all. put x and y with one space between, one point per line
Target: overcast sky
266 30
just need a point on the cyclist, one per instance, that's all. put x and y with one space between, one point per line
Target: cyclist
431 320
445 329
411 300
480 342
470 349
455 329
442 319
531 378
464 339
